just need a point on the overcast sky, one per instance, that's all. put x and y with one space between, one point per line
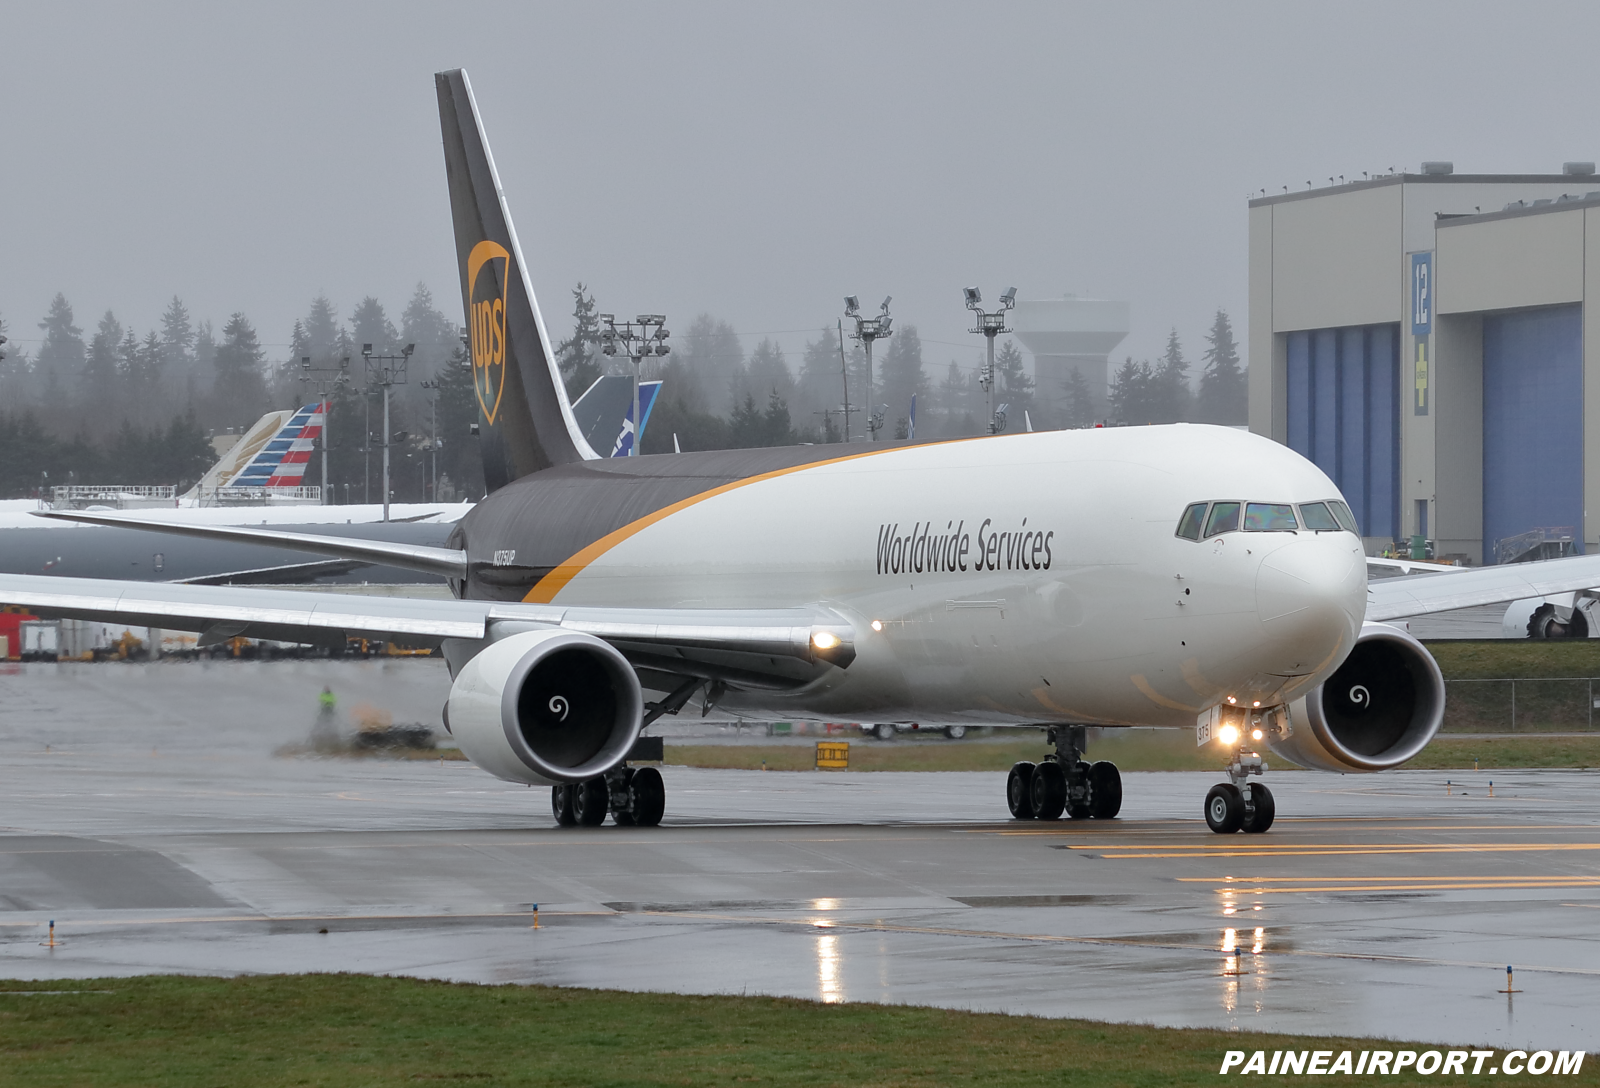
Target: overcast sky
757 161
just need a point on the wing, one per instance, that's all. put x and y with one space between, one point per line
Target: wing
1418 595
749 649
447 562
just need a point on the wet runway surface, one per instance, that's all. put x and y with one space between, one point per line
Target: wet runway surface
161 834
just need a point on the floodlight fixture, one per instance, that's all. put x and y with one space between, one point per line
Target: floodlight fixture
974 297
305 362
852 305
1009 299
990 325
407 350
886 300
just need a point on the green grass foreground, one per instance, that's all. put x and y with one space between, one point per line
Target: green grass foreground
1136 750
335 1030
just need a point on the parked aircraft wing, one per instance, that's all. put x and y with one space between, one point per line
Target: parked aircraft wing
751 648
447 562
1421 594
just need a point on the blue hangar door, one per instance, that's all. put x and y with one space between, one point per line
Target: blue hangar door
1532 423
1344 415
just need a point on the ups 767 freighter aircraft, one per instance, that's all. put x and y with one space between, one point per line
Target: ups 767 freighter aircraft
1178 576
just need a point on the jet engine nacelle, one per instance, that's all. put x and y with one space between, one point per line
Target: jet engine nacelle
544 707
1381 707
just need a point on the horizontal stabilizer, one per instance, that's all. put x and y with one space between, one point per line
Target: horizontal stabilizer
445 562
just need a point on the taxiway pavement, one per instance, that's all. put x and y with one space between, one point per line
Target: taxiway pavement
160 833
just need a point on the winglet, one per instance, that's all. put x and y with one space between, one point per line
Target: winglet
525 419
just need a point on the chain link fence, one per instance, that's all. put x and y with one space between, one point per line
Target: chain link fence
1555 705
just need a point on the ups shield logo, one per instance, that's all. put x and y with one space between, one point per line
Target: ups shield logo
488 268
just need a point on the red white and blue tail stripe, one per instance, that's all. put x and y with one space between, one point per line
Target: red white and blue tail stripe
282 461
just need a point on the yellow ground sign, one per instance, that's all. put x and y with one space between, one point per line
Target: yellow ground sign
833 755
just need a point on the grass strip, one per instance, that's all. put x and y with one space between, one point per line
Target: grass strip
1137 750
337 1030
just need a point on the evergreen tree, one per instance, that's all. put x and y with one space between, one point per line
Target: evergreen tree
673 419
203 366
61 354
1223 393
902 373
177 348
370 325
145 363
820 387
1013 386
578 355
1170 396
769 372
322 333
1079 400
239 389
100 392
703 368
954 398
460 458
434 334
1131 400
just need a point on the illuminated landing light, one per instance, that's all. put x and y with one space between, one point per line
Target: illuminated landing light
1256 703
825 640
1229 735
1256 734
1231 700
877 625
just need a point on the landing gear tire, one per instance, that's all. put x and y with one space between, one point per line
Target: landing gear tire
590 798
647 796
1077 806
1019 790
1263 810
955 732
1224 808
561 804
623 815
1105 790
1049 791
883 731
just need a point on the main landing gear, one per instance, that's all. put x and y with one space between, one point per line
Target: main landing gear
634 796
1064 782
1236 805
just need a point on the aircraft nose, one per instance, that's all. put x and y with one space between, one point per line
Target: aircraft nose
1311 595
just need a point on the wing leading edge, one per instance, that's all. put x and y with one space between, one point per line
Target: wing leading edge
1422 594
763 649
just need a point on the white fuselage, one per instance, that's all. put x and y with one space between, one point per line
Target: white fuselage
1020 578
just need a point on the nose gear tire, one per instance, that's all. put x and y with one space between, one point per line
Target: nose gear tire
1049 790
1263 810
1019 790
1224 808
1105 790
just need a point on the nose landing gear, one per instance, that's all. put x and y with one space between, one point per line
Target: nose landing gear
1064 782
1236 805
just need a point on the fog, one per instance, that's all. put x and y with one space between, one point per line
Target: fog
753 161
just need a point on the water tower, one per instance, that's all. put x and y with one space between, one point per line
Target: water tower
1067 334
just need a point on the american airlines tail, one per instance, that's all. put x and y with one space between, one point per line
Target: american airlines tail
524 416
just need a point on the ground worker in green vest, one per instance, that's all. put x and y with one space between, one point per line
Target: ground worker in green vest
325 733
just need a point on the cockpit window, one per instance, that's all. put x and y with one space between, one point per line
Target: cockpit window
1193 518
1346 519
1317 517
1224 518
1265 517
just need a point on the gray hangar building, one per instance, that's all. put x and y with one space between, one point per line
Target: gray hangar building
1434 347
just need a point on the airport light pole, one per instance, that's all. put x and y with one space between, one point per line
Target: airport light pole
638 341
325 388
990 325
433 429
386 371
869 329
